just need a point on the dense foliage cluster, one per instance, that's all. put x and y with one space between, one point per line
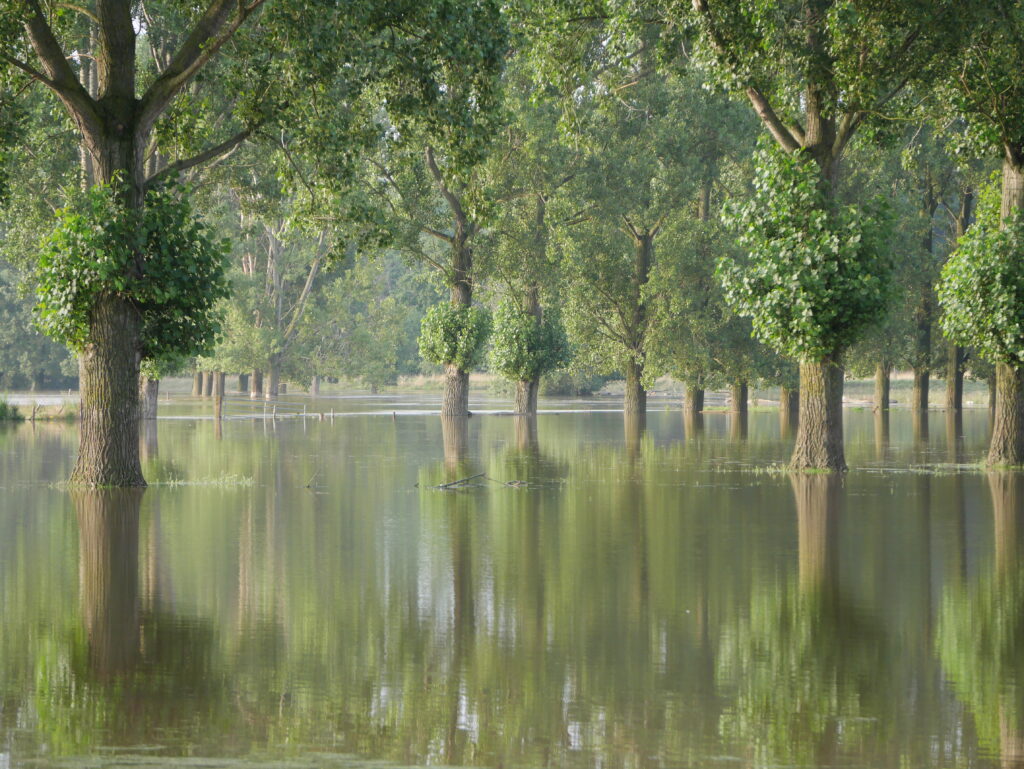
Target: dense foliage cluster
817 272
452 334
526 347
982 286
162 259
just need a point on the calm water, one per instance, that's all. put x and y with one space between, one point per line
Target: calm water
299 594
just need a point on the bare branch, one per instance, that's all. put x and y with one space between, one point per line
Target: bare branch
446 193
224 148
775 126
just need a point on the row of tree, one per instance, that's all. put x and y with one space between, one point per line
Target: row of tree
583 169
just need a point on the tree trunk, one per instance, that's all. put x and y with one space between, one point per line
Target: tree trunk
991 382
693 401
108 452
789 405
243 383
256 384
197 384
819 438
273 383
954 377
881 433
738 424
634 400
919 425
455 400
207 384
738 397
919 393
218 383
149 390
314 386
526 397
882 387
1007 446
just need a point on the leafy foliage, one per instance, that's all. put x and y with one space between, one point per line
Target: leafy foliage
817 272
160 258
455 334
525 347
982 285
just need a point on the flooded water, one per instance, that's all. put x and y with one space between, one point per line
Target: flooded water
300 593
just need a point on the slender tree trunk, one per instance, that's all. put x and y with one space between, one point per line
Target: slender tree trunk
197 384
455 400
738 397
256 384
819 438
693 401
919 393
272 386
634 400
243 383
207 384
314 386
882 387
218 383
1007 446
149 390
526 397
954 377
108 452
789 405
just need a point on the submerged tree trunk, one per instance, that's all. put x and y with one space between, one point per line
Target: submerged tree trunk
526 433
1007 447
207 384
634 424
455 400
919 393
634 400
882 387
273 384
455 438
789 405
954 377
693 401
819 438
526 396
243 383
256 384
197 384
314 386
149 390
738 397
108 452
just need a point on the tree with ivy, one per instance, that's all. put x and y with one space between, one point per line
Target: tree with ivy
280 69
525 348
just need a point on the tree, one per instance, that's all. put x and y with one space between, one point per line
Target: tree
525 348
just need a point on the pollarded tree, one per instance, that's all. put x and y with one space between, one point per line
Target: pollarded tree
981 292
814 71
279 66
525 348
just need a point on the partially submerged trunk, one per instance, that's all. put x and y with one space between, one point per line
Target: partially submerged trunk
738 425
954 377
243 383
256 384
882 387
919 391
881 434
455 438
634 399
693 401
207 384
819 438
272 386
149 391
1007 446
634 425
738 397
455 399
108 453
314 386
919 425
526 433
526 397
197 384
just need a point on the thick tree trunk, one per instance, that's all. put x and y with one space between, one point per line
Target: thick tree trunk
954 377
526 396
919 393
882 387
108 452
819 438
149 390
207 384
256 384
197 384
243 383
314 386
693 401
1007 446
738 397
272 386
634 400
455 400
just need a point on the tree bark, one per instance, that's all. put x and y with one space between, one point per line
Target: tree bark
108 452
243 383
1007 446
149 390
256 384
789 405
207 384
919 392
273 384
693 401
954 377
819 438
526 397
455 400
634 400
882 387
314 386
738 397
197 384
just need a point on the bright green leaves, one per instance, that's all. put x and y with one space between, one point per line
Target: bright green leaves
455 334
525 347
817 273
982 287
161 258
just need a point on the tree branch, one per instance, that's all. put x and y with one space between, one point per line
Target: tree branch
225 147
447 194
775 126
